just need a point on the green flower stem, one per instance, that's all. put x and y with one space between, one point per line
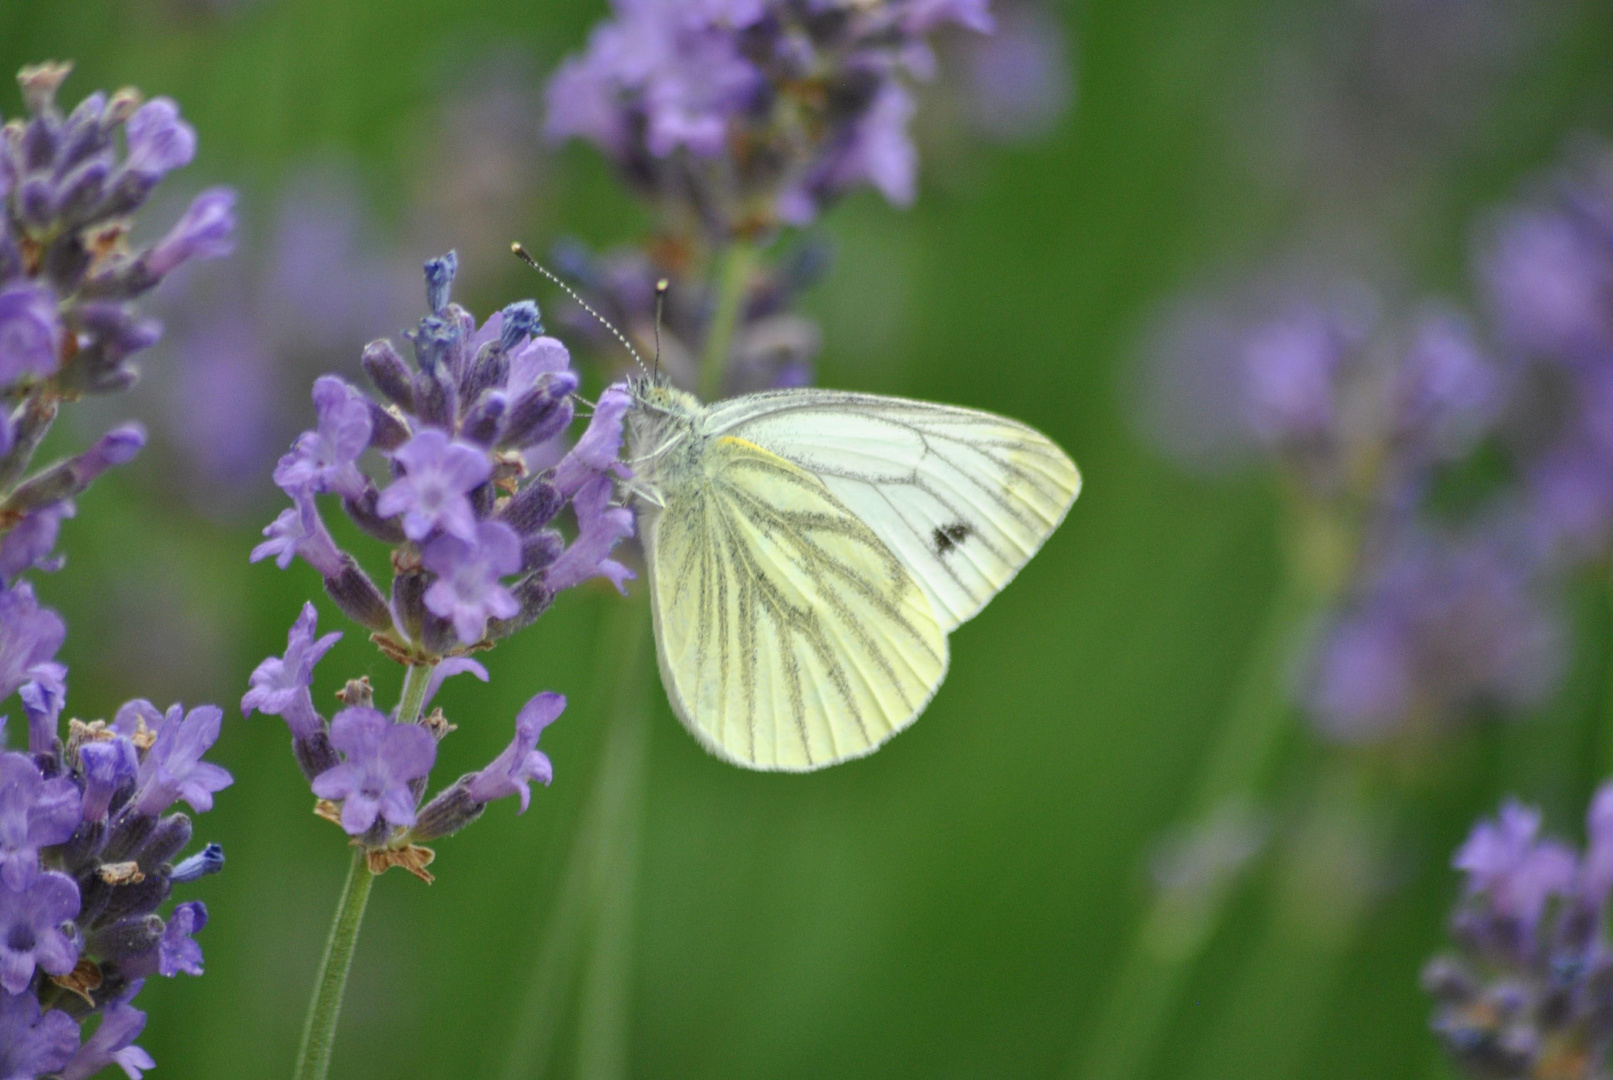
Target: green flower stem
412 699
319 1032
593 906
734 266
1179 923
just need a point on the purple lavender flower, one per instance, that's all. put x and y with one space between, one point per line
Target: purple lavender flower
597 452
34 813
106 765
521 762
663 79
31 934
173 768
159 141
434 491
1526 992
30 332
1442 625
43 698
112 1043
29 637
29 544
454 665
380 760
32 1043
467 591
280 684
600 527
206 231
178 950
1518 873
300 530
327 459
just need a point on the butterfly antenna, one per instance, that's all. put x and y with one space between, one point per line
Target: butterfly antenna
661 286
521 253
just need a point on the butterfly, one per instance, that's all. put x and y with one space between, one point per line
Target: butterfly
810 550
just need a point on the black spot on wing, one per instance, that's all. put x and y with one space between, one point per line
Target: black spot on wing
947 537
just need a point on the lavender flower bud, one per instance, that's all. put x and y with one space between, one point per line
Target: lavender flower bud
30 424
533 507
390 374
490 370
387 432
121 902
542 412
482 421
122 940
440 274
540 550
314 753
436 342
409 601
362 512
534 598
167 839
72 476
209 860
357 596
521 321
450 811
436 400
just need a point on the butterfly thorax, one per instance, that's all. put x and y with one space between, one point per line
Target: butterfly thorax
665 438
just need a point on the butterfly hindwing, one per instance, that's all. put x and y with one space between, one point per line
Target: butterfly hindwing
790 635
964 498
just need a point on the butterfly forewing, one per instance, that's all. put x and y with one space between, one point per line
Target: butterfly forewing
790 635
963 498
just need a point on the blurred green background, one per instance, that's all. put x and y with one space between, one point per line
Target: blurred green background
957 905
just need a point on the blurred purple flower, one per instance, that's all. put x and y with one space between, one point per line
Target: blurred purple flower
1018 77
30 332
31 935
1440 626
521 762
34 813
29 637
30 543
380 760
159 141
206 231
1516 871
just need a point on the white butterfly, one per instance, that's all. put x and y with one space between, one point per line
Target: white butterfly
810 550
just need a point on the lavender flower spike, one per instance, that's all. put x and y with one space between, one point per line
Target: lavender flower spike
33 1043
327 459
34 813
173 768
521 762
434 491
112 1043
280 684
31 930
467 591
381 758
